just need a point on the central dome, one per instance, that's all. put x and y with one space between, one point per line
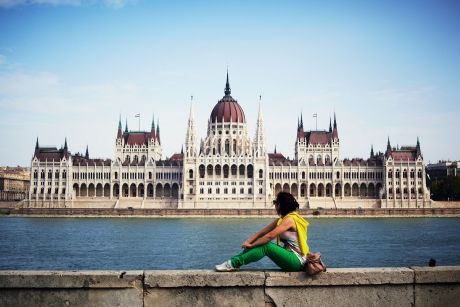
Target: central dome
227 109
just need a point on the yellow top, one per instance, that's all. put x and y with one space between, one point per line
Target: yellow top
301 226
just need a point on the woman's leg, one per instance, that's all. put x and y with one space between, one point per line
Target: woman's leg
283 258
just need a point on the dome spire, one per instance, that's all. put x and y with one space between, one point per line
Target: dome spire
227 86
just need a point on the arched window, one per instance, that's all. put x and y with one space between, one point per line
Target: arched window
250 171
261 174
116 175
227 147
397 173
201 169
226 170
242 168
150 175
209 170
318 160
56 175
234 170
190 174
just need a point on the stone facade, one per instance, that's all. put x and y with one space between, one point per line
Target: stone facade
229 169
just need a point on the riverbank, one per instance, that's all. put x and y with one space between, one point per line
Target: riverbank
404 286
222 213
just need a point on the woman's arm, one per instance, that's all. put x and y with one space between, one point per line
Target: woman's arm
285 225
260 233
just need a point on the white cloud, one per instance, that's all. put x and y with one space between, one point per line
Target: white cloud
114 4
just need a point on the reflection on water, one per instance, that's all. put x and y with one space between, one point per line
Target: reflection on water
129 243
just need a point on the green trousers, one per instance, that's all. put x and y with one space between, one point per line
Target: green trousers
285 259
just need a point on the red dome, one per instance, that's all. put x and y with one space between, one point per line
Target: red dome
228 109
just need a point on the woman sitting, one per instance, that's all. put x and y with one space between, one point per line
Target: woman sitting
290 228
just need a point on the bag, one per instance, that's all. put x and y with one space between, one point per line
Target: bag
314 264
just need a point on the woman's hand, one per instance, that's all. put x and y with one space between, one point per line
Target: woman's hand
246 245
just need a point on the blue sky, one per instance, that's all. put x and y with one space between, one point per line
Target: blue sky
387 68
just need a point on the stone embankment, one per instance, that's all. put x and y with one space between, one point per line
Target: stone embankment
415 286
129 212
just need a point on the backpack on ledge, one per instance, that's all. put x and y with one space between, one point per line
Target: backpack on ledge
314 264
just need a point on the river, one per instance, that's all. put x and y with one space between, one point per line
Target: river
28 243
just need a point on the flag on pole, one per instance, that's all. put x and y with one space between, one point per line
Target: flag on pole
137 115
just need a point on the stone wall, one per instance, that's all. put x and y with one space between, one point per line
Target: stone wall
133 212
415 286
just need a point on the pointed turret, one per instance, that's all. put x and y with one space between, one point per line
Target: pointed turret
300 132
182 150
152 129
158 131
227 87
335 132
419 151
120 131
190 136
66 150
388 151
37 147
126 126
87 153
330 125
372 151
259 140
275 149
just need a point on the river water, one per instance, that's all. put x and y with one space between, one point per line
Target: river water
195 243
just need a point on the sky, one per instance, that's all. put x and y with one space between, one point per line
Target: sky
70 69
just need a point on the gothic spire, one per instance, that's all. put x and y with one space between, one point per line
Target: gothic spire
372 151
65 143
126 126
87 153
330 125
36 144
301 120
419 151
335 132
259 139
158 130
190 136
120 129
388 145
227 86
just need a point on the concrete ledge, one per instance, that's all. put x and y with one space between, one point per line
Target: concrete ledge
203 278
435 275
418 286
342 277
69 279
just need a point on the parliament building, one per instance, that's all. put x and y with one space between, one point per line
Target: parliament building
227 169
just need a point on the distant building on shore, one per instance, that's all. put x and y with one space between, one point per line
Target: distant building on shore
14 183
443 169
228 169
